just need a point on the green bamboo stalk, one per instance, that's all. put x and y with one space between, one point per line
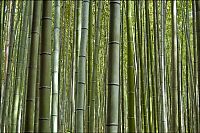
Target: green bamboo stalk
193 111
32 72
113 67
122 71
94 72
24 79
138 91
174 89
198 43
20 63
15 54
36 114
105 72
9 68
5 34
82 66
180 83
65 102
54 114
78 39
24 75
1 49
163 113
73 66
193 114
141 69
195 66
77 48
151 78
90 44
189 73
61 70
45 69
15 51
156 64
68 72
130 71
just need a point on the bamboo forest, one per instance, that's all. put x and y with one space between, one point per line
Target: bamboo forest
95 66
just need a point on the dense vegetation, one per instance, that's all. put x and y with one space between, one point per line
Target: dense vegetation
99 66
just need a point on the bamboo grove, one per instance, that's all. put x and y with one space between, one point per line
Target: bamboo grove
99 66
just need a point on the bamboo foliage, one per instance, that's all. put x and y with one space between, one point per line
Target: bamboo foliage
99 66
